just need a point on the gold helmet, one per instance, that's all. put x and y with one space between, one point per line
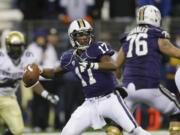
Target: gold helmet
112 130
15 44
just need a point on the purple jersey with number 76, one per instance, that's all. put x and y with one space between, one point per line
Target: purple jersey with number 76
95 82
143 58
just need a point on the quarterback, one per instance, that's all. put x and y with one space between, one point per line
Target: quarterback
140 54
91 62
13 60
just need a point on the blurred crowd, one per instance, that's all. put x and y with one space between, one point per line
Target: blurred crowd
67 10
39 113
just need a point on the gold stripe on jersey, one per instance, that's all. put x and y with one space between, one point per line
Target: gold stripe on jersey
81 23
170 76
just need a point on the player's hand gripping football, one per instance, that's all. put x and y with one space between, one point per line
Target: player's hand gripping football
31 75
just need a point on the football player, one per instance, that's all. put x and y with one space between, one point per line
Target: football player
91 62
141 53
12 63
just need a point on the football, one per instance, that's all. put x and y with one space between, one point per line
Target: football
30 75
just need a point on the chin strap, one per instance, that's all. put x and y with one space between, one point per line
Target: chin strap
16 61
81 47
77 56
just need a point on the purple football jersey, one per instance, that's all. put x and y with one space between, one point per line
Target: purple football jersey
143 57
95 82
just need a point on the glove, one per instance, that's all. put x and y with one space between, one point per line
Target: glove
51 97
87 65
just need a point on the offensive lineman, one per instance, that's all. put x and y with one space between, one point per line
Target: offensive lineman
141 54
12 63
91 62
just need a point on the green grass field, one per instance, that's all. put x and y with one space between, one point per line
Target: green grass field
98 133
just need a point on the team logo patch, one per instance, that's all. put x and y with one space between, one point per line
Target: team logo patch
73 63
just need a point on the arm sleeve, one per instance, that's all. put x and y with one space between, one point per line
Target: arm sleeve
123 37
29 58
1 58
160 33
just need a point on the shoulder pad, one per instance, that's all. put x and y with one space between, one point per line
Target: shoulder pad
3 56
28 54
123 37
67 53
158 32
2 53
66 58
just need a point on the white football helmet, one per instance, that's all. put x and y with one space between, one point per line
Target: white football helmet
78 27
149 14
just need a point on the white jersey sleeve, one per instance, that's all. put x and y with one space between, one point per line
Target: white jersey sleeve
10 75
28 58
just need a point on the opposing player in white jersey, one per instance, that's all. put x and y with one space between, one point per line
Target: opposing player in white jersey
12 63
141 54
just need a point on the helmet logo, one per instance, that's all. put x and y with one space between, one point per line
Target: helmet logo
81 23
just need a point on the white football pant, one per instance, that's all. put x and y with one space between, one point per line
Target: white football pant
162 100
93 111
177 79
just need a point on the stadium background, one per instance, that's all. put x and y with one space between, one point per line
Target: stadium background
106 29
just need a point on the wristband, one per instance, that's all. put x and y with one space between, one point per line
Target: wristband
44 93
32 85
96 66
